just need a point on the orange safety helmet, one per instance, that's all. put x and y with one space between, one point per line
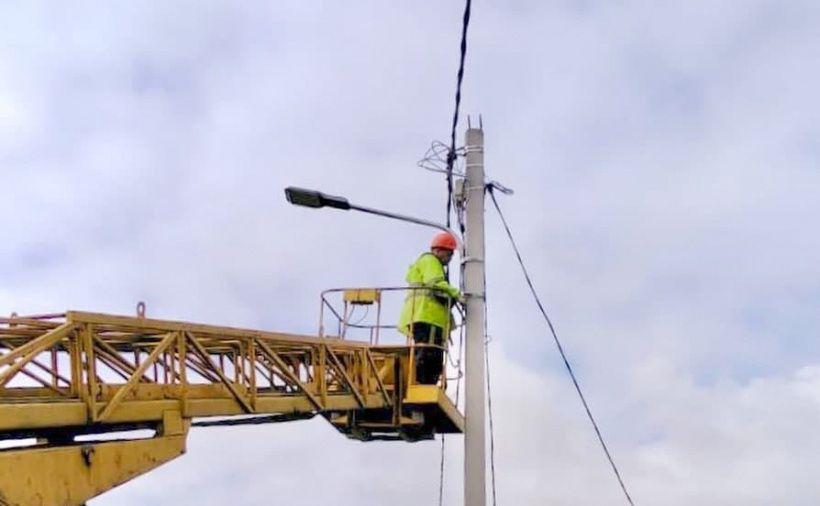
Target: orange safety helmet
444 240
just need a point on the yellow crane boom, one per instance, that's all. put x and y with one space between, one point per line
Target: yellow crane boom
80 374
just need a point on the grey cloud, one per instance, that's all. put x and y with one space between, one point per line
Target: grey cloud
664 161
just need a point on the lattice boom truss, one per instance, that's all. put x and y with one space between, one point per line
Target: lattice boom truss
84 372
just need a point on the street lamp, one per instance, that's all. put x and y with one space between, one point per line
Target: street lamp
475 490
315 199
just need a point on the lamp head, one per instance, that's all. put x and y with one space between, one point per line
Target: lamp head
314 199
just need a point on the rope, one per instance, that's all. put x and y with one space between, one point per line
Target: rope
560 348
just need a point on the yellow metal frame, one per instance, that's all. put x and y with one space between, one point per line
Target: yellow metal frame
72 474
88 373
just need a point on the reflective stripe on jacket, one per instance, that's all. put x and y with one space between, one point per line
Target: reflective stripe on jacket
425 304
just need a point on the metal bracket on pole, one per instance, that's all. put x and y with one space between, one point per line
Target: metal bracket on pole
500 187
459 193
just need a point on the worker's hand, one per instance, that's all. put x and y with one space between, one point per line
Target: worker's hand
462 299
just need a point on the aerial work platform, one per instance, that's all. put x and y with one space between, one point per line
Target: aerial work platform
79 374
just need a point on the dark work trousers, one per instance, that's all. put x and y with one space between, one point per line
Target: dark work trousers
429 360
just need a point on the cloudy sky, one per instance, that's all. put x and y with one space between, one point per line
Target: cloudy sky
665 161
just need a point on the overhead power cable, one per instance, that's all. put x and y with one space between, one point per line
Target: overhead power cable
451 155
560 348
451 158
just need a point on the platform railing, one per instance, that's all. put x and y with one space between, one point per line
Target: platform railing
338 311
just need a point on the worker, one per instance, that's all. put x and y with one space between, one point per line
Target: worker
426 315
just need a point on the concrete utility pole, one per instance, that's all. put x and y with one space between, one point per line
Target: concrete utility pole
475 491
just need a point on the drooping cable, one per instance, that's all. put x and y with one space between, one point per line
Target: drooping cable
462 329
560 348
255 420
360 320
489 390
451 155
435 159
441 475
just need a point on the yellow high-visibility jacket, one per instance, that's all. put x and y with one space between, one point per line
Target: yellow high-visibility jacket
428 303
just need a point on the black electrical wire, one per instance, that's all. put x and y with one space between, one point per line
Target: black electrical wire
490 412
560 348
489 390
451 158
256 420
451 155
458 393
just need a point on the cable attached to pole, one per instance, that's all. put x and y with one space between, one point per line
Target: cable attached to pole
458 392
489 390
451 155
560 348
451 158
